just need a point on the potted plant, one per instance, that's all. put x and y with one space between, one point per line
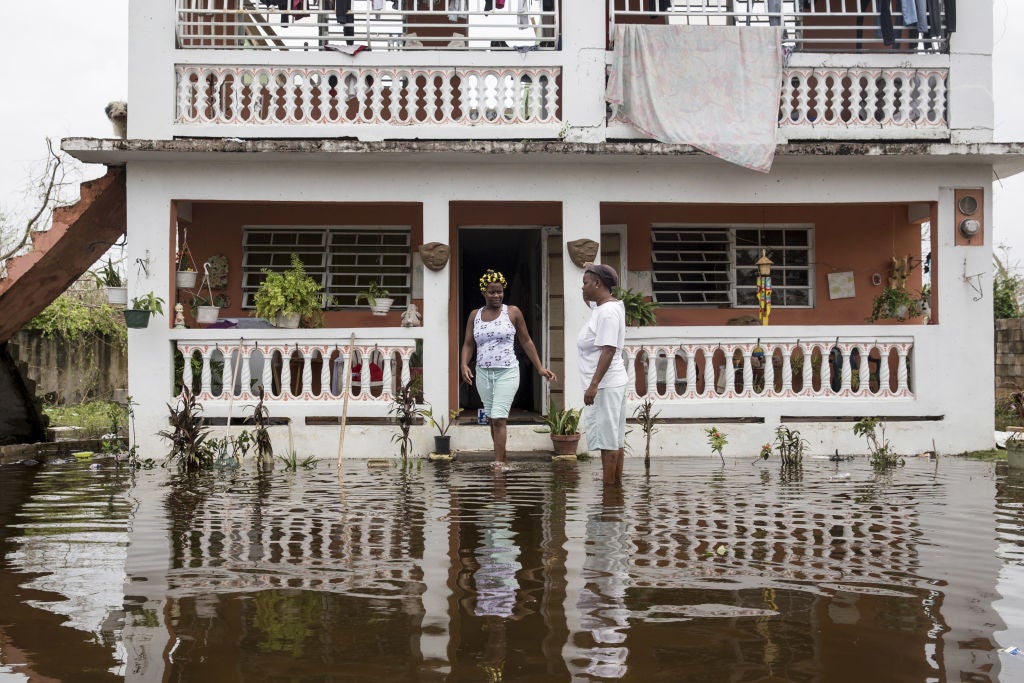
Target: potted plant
137 315
639 311
285 299
1015 450
377 297
110 279
185 276
895 303
442 441
207 309
563 426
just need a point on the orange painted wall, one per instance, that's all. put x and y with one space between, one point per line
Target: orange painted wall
847 237
217 229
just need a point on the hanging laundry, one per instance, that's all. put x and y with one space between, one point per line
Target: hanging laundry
343 13
775 9
457 10
909 10
921 7
523 14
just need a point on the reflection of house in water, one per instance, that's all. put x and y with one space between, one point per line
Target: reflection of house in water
452 571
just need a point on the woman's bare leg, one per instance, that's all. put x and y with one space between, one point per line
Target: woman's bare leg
609 465
499 435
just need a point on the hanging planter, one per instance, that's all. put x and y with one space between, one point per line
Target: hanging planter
117 296
185 277
206 312
136 319
206 315
377 297
113 284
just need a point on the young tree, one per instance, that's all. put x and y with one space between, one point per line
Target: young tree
1007 288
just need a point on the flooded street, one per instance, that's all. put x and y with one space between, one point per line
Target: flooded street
455 573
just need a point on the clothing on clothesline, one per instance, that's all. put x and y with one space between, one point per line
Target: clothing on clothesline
523 14
457 10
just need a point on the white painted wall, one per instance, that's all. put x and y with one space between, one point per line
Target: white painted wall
952 364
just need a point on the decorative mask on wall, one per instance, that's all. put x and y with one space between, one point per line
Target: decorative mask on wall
582 251
435 255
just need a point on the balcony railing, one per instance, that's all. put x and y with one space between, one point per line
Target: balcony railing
306 368
378 25
808 25
687 369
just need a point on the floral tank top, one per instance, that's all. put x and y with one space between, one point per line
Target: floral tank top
494 341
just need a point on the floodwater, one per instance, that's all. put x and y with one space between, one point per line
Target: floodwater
455 573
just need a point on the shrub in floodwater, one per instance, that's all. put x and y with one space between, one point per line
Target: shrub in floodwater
882 454
188 434
648 418
790 446
292 462
717 440
260 434
405 410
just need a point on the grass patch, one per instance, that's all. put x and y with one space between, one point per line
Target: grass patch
993 454
93 418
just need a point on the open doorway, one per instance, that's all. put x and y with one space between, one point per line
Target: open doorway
517 253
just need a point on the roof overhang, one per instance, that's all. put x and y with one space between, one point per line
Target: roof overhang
1005 158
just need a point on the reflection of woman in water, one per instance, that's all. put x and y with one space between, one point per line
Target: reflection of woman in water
491 331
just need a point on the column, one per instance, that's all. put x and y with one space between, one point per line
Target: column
437 348
581 218
583 80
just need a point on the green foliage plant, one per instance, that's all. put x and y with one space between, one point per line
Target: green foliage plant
889 303
648 418
405 411
373 292
108 276
559 422
188 434
717 439
639 311
78 314
261 435
93 419
148 302
292 462
790 446
1006 292
440 423
882 454
289 293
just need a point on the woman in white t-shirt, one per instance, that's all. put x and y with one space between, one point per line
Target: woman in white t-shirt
491 332
602 371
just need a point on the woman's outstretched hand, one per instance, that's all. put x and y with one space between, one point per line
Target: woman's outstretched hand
467 375
547 374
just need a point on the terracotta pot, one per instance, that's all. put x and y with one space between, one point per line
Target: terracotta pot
565 444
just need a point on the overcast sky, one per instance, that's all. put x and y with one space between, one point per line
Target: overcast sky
70 59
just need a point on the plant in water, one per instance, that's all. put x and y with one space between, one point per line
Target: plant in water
292 462
790 445
648 418
882 454
260 434
717 440
639 311
406 411
439 422
188 434
561 422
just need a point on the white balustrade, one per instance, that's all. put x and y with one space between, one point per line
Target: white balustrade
402 96
269 364
769 367
830 99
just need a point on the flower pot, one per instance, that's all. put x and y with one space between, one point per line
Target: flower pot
207 314
136 319
382 306
442 444
288 321
1015 454
565 444
117 296
185 279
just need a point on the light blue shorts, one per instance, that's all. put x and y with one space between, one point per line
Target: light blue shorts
606 420
497 387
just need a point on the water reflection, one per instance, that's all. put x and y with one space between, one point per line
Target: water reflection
457 573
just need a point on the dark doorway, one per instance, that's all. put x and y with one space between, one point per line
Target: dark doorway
517 254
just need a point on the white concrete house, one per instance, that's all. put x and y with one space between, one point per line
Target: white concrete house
254 133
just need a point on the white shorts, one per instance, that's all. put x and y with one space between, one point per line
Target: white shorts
606 420
497 387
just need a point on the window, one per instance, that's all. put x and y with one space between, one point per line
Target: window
343 259
704 265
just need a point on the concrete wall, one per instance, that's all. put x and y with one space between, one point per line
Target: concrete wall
1009 356
70 372
20 421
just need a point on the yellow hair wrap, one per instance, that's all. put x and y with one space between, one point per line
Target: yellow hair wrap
492 276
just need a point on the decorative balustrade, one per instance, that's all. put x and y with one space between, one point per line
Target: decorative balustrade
808 25
406 96
380 25
769 367
306 369
819 102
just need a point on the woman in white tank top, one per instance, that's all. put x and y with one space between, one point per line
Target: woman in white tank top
491 332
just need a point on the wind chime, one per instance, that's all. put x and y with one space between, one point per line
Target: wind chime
764 287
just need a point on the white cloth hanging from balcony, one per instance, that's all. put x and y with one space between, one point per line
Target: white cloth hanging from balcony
713 87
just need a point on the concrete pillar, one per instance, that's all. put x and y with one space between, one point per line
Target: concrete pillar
971 105
436 294
151 58
581 218
583 51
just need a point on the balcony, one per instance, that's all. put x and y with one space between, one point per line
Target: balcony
451 69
